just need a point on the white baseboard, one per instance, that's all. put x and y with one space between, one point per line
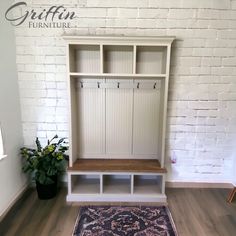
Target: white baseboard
198 185
17 196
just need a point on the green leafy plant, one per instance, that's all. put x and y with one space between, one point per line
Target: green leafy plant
45 162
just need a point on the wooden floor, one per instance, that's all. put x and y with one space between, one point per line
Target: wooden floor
196 212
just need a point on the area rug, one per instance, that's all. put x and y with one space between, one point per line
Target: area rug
124 221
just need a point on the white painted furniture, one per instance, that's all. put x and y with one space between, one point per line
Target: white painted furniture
118 88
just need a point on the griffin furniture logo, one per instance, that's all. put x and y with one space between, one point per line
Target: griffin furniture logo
52 17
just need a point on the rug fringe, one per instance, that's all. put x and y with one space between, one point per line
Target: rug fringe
76 222
172 220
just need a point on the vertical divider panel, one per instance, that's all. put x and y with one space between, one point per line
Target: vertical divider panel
132 125
134 59
105 102
146 122
91 121
71 59
101 183
163 182
161 123
73 121
104 133
69 91
132 183
164 103
101 59
118 121
134 72
69 183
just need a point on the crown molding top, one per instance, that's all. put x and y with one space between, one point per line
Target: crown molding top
165 40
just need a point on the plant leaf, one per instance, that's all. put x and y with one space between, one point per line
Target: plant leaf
56 136
60 141
39 147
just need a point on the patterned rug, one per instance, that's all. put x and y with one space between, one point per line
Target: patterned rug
124 221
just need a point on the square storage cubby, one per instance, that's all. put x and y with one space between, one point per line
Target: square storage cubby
116 184
118 59
85 58
85 184
147 184
151 60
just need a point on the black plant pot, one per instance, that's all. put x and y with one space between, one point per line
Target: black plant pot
47 191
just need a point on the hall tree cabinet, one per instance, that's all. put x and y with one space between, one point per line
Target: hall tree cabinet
118 88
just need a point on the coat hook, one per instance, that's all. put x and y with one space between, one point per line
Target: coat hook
118 85
154 86
81 84
138 86
98 85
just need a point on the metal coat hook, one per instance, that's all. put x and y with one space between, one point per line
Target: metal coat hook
118 85
138 86
81 84
154 86
98 85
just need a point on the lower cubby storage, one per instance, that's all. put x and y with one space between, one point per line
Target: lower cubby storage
116 180
85 184
116 187
148 184
116 184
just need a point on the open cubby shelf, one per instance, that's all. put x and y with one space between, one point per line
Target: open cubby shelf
118 60
147 184
118 92
151 60
85 58
116 184
84 184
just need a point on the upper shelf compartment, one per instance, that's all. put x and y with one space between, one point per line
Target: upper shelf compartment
84 59
118 59
112 60
151 59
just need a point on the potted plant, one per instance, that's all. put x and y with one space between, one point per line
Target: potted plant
46 165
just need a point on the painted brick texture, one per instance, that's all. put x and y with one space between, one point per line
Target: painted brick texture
201 132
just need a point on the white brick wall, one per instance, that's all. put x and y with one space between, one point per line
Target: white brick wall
202 98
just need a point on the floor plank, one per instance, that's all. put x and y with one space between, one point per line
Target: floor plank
196 212
202 212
